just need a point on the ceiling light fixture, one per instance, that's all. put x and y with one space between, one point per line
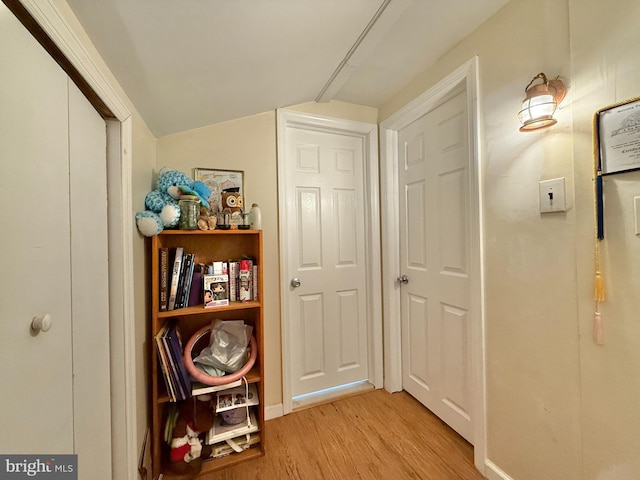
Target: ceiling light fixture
540 103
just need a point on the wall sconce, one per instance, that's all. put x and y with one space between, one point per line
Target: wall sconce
540 103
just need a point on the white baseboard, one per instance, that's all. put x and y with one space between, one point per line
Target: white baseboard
273 411
492 472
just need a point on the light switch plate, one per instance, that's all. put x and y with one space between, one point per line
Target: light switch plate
552 196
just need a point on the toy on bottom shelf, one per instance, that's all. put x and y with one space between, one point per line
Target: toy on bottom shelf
194 417
161 204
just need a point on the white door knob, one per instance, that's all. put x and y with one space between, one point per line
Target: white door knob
41 323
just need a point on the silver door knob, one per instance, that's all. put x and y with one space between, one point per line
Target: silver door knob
403 279
295 282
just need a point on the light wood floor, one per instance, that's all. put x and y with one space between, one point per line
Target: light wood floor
374 435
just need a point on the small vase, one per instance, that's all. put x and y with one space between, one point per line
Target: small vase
256 217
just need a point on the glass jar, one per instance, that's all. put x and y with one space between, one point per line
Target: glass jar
189 212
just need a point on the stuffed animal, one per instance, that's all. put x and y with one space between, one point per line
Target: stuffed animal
161 204
195 416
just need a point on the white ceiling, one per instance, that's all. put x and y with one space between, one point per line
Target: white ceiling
190 63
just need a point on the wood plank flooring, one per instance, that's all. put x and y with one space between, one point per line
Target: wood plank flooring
374 435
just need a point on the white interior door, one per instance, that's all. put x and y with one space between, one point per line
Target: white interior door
326 260
53 166
433 163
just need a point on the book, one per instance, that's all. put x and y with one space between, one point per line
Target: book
164 278
225 448
195 291
237 397
178 388
233 280
254 283
221 430
201 388
176 350
215 290
175 277
164 364
187 289
185 277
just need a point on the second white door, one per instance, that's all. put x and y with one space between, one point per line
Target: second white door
326 260
434 255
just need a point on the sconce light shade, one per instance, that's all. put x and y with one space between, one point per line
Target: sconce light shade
540 103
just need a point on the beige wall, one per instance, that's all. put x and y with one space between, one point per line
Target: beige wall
605 70
249 144
558 406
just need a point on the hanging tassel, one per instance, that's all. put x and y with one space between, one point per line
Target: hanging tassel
598 336
599 287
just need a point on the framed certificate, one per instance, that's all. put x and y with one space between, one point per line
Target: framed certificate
618 137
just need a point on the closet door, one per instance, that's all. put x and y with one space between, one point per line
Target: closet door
35 368
53 192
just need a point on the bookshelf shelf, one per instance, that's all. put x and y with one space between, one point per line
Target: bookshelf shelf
207 247
200 310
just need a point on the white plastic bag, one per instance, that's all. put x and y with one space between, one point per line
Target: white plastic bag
227 350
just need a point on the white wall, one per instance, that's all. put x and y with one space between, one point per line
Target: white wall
606 69
559 407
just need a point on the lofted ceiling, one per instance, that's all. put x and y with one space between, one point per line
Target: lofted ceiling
190 63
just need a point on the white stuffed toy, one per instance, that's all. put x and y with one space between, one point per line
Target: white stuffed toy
162 203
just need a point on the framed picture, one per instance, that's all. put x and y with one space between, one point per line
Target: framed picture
618 137
226 186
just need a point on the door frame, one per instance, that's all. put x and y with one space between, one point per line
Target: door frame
369 134
467 75
122 348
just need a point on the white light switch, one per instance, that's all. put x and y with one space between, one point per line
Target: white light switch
552 196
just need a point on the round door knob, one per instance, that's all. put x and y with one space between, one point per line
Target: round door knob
41 323
403 279
295 282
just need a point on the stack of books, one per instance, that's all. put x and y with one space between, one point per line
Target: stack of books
170 350
178 271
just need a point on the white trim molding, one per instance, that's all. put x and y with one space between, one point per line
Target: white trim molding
369 133
494 473
121 300
465 77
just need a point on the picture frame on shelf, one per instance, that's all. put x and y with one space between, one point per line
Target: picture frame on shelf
226 187
617 137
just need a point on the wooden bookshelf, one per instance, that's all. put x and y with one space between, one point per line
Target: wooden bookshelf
208 246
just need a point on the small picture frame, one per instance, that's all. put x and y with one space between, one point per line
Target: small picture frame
618 137
226 186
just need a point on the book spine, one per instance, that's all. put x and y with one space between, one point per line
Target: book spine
184 279
195 292
176 351
175 277
233 280
164 279
254 277
187 287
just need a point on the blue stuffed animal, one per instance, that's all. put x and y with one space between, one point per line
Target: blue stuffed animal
162 203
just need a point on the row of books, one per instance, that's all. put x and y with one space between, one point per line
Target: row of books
177 273
170 350
184 283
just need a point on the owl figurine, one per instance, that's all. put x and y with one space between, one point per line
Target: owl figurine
232 201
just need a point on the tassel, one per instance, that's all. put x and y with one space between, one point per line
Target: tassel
598 336
599 287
